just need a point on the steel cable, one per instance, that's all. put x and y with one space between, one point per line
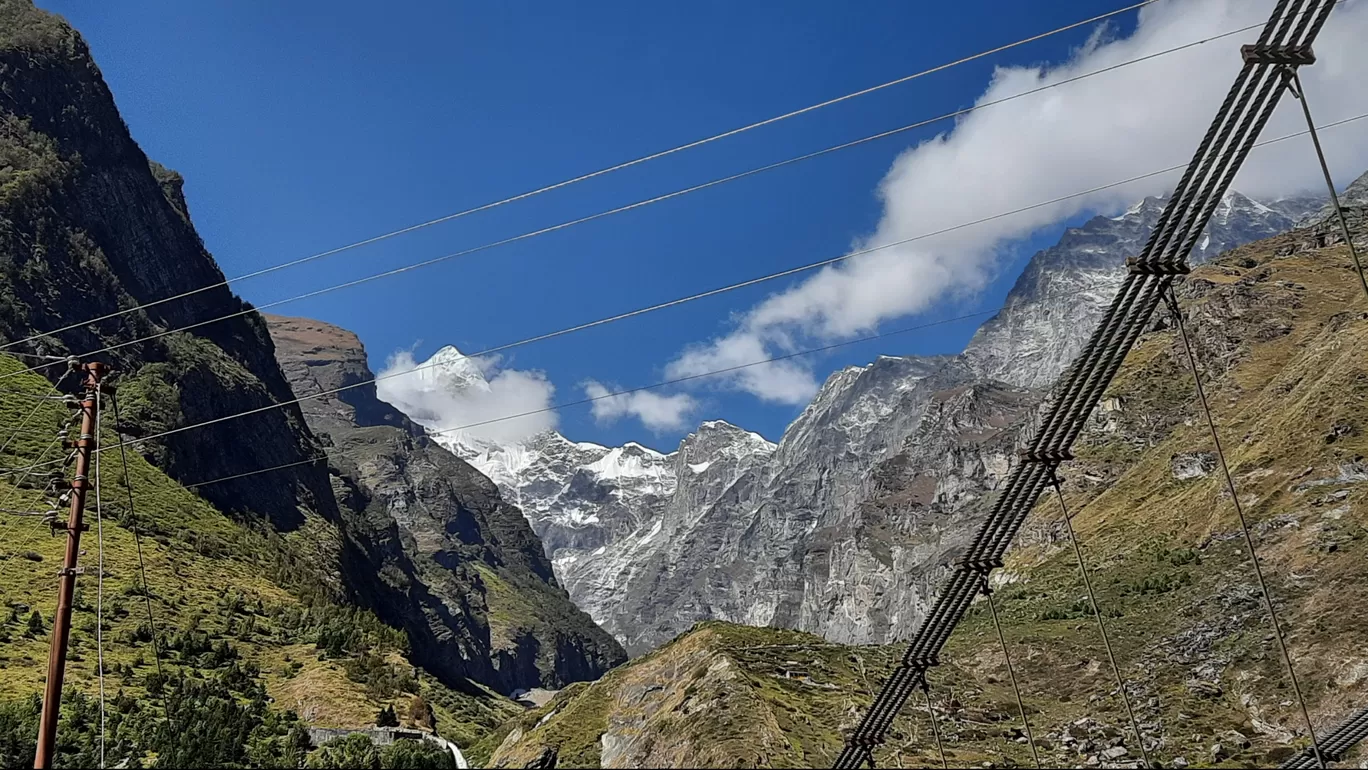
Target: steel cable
1299 91
1244 524
1011 672
1101 623
1233 132
935 727
1335 743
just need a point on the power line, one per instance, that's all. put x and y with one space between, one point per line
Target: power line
137 541
18 483
713 292
600 172
99 580
56 388
647 201
693 297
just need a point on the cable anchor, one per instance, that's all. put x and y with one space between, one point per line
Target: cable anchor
1137 266
1286 55
1045 455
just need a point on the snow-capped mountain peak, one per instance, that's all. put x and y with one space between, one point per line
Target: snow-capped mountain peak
451 369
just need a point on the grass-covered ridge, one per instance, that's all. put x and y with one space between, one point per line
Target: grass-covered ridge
238 609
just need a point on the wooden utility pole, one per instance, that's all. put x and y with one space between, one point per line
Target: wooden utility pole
66 587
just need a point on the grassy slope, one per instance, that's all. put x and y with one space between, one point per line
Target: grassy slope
1173 576
206 572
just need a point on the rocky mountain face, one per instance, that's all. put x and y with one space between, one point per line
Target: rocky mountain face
91 226
1278 326
604 514
449 560
844 527
1062 293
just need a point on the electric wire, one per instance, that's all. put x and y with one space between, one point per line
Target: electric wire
598 173
99 577
1101 624
20 545
638 204
687 299
750 282
137 541
1244 523
1299 91
56 387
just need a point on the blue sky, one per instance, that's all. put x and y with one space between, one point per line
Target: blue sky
303 126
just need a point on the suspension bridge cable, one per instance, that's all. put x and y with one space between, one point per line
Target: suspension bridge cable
1231 136
1101 624
600 172
1299 91
1011 673
1244 524
935 727
642 203
694 297
1334 745
99 579
137 541
629 391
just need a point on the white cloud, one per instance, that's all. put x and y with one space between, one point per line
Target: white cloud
657 412
785 382
1078 136
461 392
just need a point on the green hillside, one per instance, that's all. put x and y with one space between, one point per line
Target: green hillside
251 644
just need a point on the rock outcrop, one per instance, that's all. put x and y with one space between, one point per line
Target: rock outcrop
90 227
448 559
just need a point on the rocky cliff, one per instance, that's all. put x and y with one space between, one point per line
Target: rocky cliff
91 227
1062 293
452 562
